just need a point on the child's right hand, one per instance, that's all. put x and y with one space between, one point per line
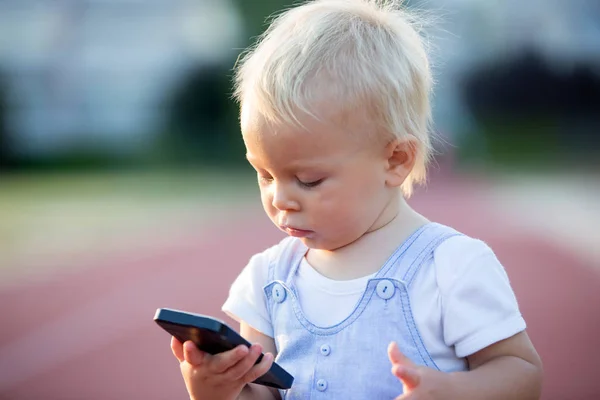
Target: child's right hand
221 376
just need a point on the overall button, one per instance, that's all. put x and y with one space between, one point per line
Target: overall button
385 289
321 385
325 350
278 293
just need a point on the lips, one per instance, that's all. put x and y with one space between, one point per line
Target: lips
296 232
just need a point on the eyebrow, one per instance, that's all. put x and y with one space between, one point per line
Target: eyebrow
319 165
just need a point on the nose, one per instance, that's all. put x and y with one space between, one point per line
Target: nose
282 199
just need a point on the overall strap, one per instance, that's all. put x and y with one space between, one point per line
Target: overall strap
407 259
437 235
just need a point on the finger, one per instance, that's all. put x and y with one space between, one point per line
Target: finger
177 349
410 377
240 369
223 361
396 356
259 369
192 354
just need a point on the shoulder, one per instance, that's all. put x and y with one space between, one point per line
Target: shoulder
274 253
460 257
478 304
461 248
260 263
246 301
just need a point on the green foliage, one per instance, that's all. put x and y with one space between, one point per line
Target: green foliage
204 119
203 126
511 140
257 14
5 152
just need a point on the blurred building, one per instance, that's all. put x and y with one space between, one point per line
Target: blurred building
469 34
82 73
96 73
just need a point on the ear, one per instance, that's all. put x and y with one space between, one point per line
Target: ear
400 156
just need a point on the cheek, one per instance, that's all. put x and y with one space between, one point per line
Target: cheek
266 201
350 202
339 205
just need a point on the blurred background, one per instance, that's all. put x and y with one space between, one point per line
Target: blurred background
124 187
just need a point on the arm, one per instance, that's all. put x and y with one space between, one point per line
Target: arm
252 391
479 308
509 369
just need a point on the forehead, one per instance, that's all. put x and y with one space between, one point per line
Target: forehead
309 142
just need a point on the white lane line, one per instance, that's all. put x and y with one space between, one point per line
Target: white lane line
566 215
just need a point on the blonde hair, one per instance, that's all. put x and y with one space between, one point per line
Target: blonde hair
366 54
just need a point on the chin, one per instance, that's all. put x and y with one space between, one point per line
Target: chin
316 244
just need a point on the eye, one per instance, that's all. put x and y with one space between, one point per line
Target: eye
310 184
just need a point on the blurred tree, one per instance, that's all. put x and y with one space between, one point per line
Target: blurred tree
258 13
203 119
530 111
203 125
6 155
528 86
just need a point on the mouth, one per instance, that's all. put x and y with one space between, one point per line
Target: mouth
295 232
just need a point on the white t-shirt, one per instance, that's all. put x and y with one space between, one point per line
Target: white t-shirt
461 300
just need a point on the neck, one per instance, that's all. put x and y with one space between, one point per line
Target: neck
395 210
368 253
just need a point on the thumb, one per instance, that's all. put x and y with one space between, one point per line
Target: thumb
397 358
192 354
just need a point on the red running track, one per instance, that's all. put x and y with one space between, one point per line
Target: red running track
89 334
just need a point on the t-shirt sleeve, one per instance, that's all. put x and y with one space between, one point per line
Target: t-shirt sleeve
246 301
479 307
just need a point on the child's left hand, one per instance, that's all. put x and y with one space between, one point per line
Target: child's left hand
419 382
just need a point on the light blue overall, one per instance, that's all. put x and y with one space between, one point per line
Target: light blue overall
349 360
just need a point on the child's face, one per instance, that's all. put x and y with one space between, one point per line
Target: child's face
325 185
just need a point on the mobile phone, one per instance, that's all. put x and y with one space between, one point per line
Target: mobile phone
214 336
